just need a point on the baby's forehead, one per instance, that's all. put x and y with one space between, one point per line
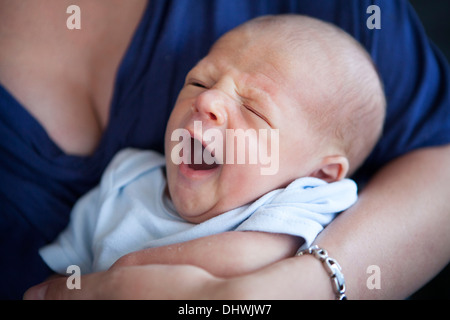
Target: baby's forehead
290 33
287 44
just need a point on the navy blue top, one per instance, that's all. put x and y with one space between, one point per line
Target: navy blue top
39 183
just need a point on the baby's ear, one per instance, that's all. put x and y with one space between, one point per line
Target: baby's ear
332 168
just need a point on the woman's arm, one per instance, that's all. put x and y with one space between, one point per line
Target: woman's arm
399 224
223 255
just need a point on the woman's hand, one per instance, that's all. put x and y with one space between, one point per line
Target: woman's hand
132 282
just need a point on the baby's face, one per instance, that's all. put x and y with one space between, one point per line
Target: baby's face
244 83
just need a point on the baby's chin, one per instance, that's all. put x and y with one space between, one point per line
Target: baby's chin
198 214
195 216
194 211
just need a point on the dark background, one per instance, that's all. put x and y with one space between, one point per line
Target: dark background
435 16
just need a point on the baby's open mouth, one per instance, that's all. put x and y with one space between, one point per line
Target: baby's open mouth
197 151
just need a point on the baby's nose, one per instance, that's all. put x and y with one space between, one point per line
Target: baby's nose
211 105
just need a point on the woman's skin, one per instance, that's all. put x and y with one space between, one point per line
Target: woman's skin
38 52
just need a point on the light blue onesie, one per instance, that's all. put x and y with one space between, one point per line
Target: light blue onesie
130 211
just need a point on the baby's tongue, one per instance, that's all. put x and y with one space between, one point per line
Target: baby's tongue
198 149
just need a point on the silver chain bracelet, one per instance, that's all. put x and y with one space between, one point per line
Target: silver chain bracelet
332 267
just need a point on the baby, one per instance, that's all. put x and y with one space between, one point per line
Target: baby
304 79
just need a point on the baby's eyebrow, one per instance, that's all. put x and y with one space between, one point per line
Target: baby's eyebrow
258 90
262 102
203 67
258 86
254 93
